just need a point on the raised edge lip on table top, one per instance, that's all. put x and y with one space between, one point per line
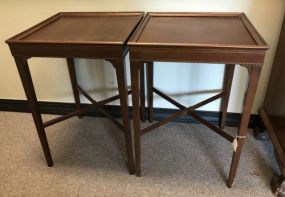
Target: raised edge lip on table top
17 39
257 38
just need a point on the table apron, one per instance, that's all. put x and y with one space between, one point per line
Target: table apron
96 52
219 56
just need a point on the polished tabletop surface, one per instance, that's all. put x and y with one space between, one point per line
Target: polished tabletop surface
198 29
82 28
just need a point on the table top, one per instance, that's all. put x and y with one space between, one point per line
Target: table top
202 30
90 28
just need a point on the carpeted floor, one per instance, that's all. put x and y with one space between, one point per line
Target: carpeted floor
89 160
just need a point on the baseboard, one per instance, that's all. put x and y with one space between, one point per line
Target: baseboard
233 119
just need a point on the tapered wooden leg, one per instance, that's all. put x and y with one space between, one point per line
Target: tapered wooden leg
149 68
142 92
135 67
228 78
73 79
254 73
25 75
123 93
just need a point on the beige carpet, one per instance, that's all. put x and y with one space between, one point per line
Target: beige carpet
177 160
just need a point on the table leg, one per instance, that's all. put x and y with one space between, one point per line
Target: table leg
25 75
228 78
135 67
149 69
73 79
254 73
142 92
123 94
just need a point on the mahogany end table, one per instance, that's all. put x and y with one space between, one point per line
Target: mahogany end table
224 38
96 35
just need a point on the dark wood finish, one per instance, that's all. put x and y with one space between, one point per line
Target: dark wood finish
228 30
172 101
25 75
135 68
272 112
228 79
62 35
217 26
69 115
73 79
142 93
193 107
203 50
226 38
105 28
86 109
188 111
254 74
100 108
275 129
78 35
122 84
149 68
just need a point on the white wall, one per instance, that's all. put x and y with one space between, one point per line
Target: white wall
51 78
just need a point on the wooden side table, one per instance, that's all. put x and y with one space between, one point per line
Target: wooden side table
225 38
101 35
